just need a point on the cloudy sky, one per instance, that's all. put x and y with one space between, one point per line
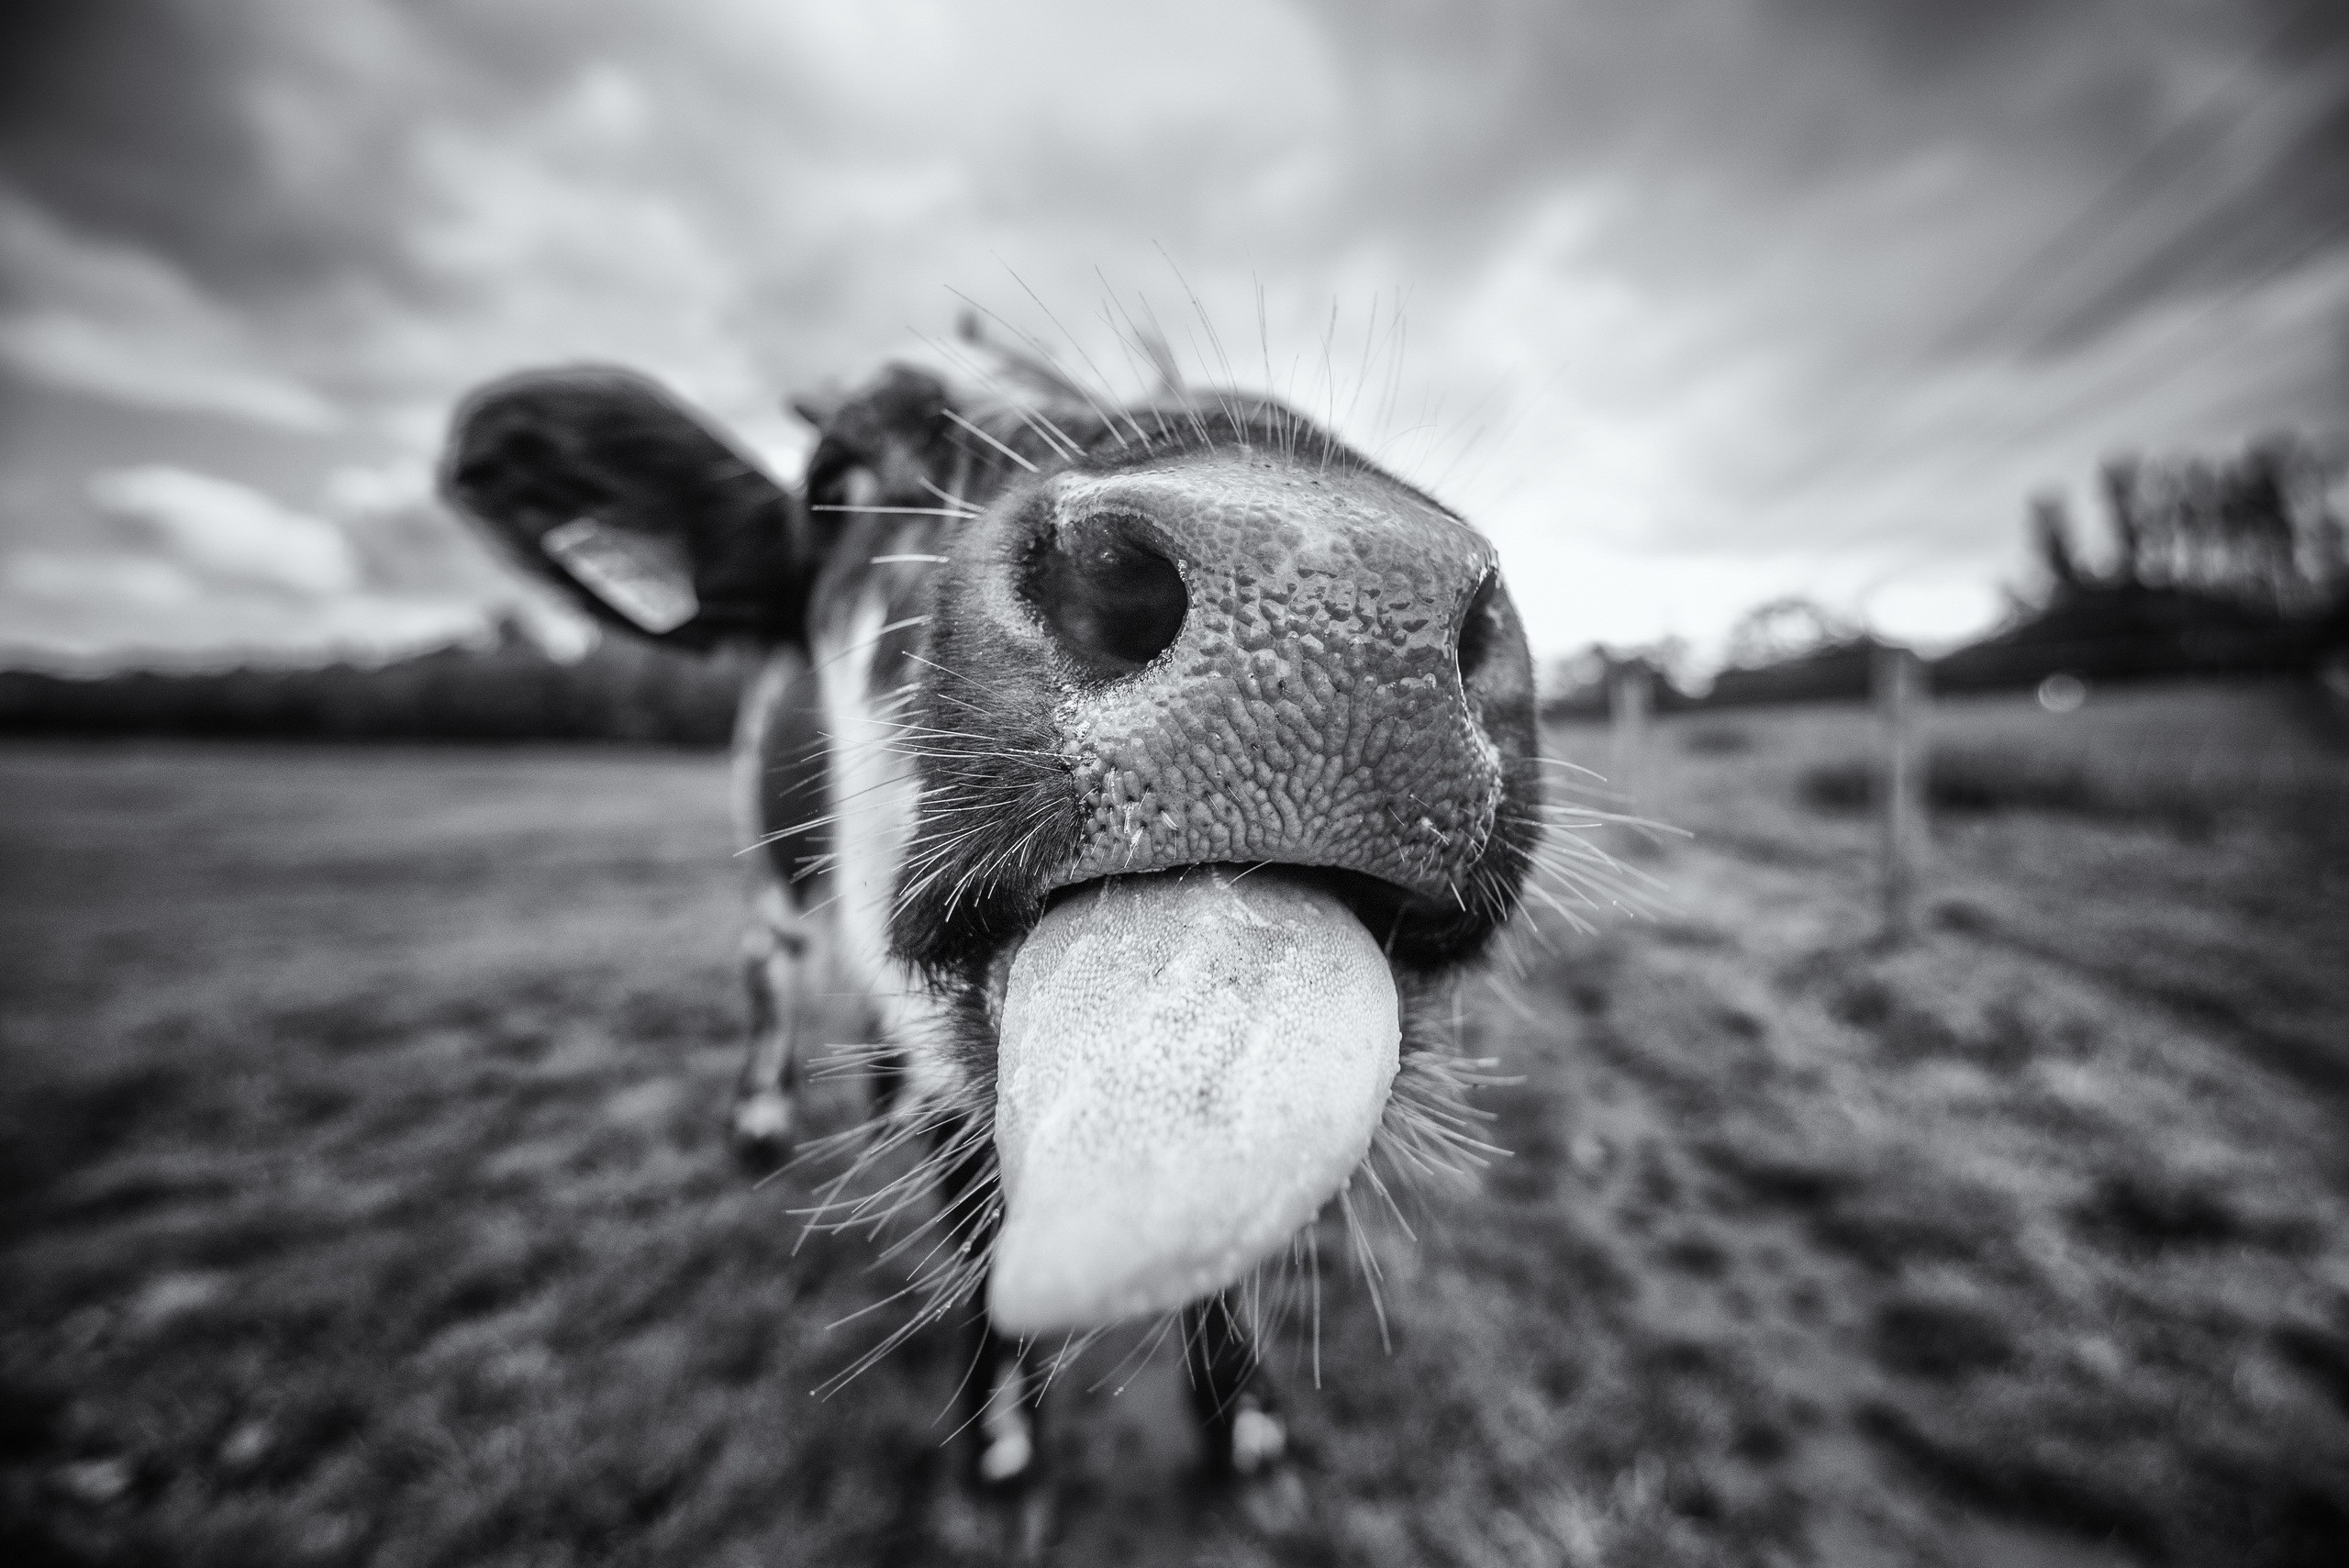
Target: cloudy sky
1687 302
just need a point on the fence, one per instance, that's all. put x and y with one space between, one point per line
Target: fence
1902 696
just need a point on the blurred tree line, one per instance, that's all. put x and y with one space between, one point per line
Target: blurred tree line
2227 565
2257 528
2230 566
621 689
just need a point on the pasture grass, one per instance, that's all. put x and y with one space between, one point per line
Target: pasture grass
365 1204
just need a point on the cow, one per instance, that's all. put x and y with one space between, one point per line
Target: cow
1150 769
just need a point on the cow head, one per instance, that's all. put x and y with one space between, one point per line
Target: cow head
1222 762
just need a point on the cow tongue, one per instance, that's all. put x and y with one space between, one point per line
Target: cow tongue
1190 1065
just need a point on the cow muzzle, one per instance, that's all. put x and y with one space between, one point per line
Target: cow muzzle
1191 1064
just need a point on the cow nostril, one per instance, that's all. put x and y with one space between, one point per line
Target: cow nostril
1114 600
1477 631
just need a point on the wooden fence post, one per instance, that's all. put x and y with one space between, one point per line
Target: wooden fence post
1630 692
1901 700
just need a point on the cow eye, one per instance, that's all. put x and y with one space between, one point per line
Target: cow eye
1113 600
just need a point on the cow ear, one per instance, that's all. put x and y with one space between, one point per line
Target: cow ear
600 481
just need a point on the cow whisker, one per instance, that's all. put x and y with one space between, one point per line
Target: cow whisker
1070 383
1368 1263
898 511
957 502
1135 1360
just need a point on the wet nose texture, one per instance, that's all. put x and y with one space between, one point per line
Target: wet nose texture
1315 702
1233 657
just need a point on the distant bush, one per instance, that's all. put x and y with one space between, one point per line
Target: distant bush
1847 784
1833 672
620 691
1939 1339
1983 778
1716 741
2151 1209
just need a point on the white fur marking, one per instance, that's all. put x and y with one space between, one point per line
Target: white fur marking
875 793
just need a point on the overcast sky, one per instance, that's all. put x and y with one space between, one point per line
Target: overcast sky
1687 302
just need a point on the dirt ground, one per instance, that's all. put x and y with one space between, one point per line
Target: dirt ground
365 1202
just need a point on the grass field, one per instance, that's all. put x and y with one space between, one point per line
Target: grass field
365 1202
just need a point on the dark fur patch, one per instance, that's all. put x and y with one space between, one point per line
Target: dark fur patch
537 450
793 799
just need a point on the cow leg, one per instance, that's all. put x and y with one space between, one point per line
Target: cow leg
778 954
1231 1393
1248 1456
1004 1468
1003 1505
1004 1392
787 953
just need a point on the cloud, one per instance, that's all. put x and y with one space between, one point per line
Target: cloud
117 582
223 531
182 566
1803 291
121 322
87 354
